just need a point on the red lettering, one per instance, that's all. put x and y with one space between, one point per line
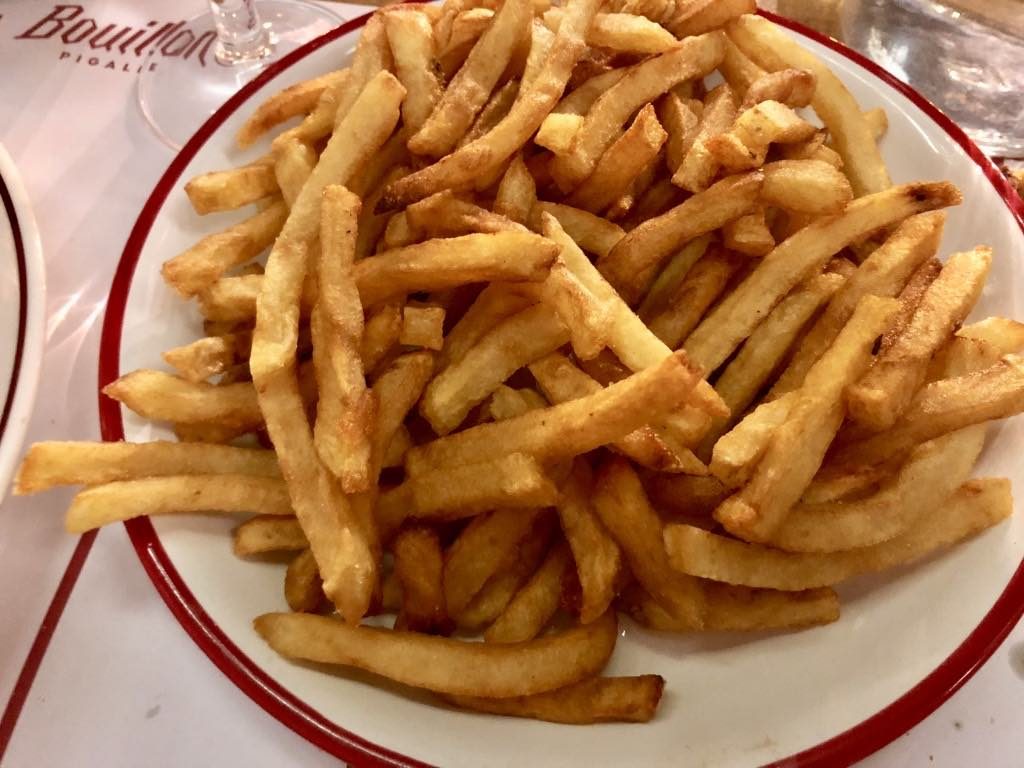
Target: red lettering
205 40
52 23
155 38
88 26
109 65
123 47
168 48
97 40
64 55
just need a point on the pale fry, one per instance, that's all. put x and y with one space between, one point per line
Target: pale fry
749 234
445 665
203 358
533 606
558 131
262 535
49 464
798 447
439 264
227 190
517 193
796 258
977 505
162 397
294 161
598 700
805 186
422 326
792 87
174 494
381 330
412 44
886 390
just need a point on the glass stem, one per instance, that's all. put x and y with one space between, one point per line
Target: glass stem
240 34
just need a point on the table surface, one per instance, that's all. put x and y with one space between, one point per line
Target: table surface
119 683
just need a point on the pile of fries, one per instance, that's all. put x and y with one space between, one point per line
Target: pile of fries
568 311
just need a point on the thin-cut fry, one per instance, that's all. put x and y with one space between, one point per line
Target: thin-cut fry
303 590
296 99
517 193
203 358
419 563
294 161
698 166
162 397
533 606
977 505
227 190
412 44
805 186
590 232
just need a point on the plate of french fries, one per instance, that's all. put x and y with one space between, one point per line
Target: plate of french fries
527 384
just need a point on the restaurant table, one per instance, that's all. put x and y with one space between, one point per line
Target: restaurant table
94 670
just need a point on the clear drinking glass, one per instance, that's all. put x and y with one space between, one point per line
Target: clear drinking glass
220 52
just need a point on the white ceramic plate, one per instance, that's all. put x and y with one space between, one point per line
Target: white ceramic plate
22 314
825 696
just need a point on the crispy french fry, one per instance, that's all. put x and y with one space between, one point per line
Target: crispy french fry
439 264
558 131
494 111
382 328
260 535
203 358
737 452
297 99
419 563
622 506
745 145
582 98
394 454
227 190
412 44
797 448
772 49
202 264
792 87
495 303
681 122
749 234
445 665
444 215
371 226
806 186
878 121
422 326
598 700
696 17
686 495
294 161
517 193
49 464
162 397
977 505
596 554
533 606
592 233
303 590
793 260
886 390
668 280
738 70
506 403
699 166
632 264
174 494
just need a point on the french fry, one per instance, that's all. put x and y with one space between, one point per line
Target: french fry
411 39
878 121
622 506
419 564
162 397
467 92
297 99
506 403
465 30
805 186
510 345
372 57
685 307
260 535
598 700
201 265
397 389
517 193
560 381
643 83
294 161
345 407
233 299
494 304
541 40
685 495
558 131
632 264
533 606
381 330
681 123
621 163
422 326
394 454
737 452
773 50
794 259
484 546
814 148
303 590
584 316
745 145
445 263
582 98
975 506
590 232
494 111
597 556
441 664
463 166
886 390
738 70
792 87
371 226
798 447
749 234
696 17
570 428
203 358
698 166
444 215
175 494
669 278
50 464
227 190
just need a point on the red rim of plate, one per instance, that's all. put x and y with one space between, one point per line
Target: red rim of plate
849 746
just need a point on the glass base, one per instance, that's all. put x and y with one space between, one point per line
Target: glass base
968 65
178 91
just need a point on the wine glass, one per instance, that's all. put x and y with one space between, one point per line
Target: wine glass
219 52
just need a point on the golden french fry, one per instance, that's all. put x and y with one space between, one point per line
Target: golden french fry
682 122
494 111
419 564
204 357
772 49
699 166
381 330
294 161
622 32
632 264
886 390
465 29
175 494
517 193
422 326
303 590
745 145
49 464
686 495
412 44
227 190
438 264
570 428
394 454
260 535
467 92
669 278
533 606
444 215
495 303
796 258
749 234
622 506
506 403
797 448
558 131
737 452
738 70
596 554
643 83
806 186
696 17
162 397
792 87
297 99
975 506
371 226
202 264
592 233
445 665
598 700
